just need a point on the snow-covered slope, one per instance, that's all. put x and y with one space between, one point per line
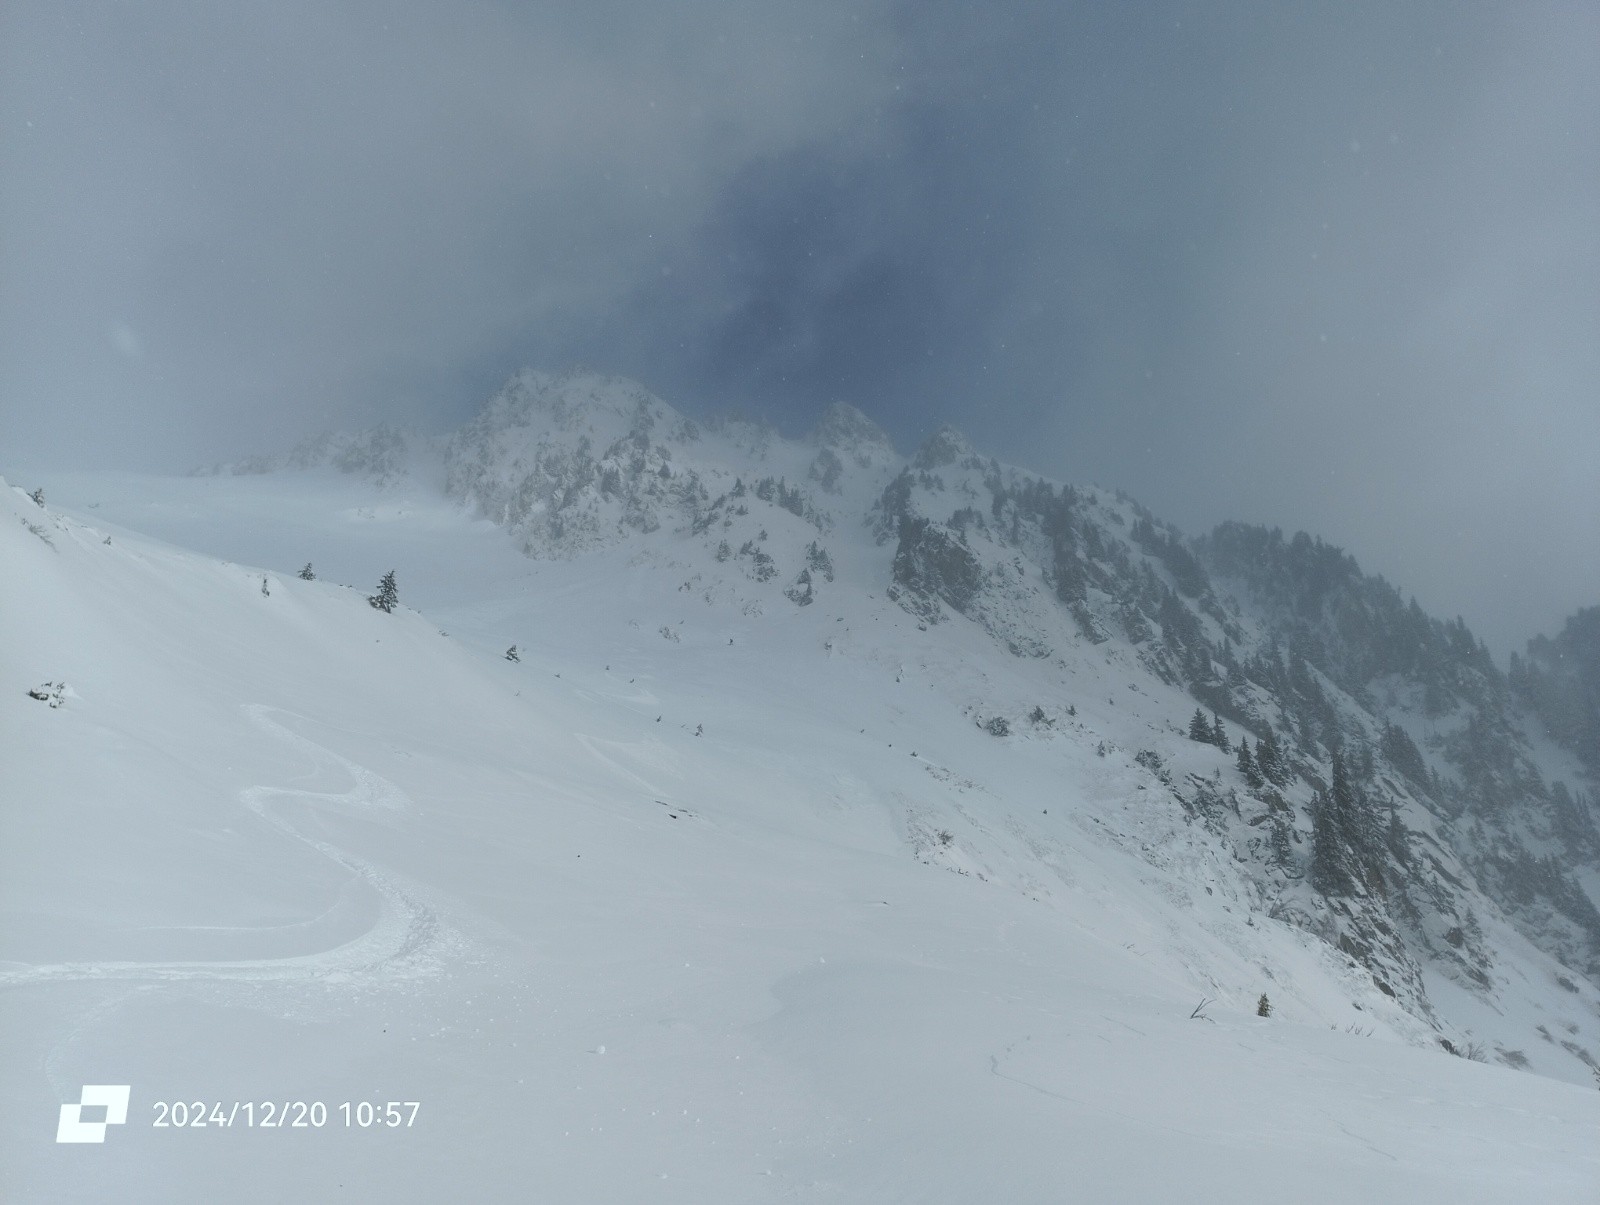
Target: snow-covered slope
1448 819
734 887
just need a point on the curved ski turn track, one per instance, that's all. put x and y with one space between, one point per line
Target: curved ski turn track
399 944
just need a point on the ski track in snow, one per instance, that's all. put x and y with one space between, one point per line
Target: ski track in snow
612 755
400 944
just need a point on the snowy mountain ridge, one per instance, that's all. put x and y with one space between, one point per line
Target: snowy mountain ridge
1278 640
930 719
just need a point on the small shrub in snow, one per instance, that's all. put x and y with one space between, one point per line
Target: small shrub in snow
1263 1006
997 726
53 693
1151 760
801 592
1471 1050
818 561
306 575
38 497
38 531
512 654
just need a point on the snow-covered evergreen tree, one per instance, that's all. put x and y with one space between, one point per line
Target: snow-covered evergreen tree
1270 762
388 596
1327 862
1247 764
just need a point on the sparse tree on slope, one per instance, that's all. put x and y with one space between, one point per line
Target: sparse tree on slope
1219 734
306 575
1247 765
388 596
1279 849
1269 762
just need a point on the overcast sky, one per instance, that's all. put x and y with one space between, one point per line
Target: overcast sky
1325 266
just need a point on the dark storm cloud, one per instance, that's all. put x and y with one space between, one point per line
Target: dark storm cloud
1334 271
1332 267
225 222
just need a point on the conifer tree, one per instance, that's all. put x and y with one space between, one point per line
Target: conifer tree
1342 796
1363 765
1397 838
1199 729
1219 734
1305 739
1279 849
1268 760
1327 869
1356 825
388 596
1247 764
306 575
512 654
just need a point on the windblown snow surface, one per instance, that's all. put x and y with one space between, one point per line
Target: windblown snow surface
700 901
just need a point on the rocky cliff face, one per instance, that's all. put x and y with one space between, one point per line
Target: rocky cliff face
572 463
1286 643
